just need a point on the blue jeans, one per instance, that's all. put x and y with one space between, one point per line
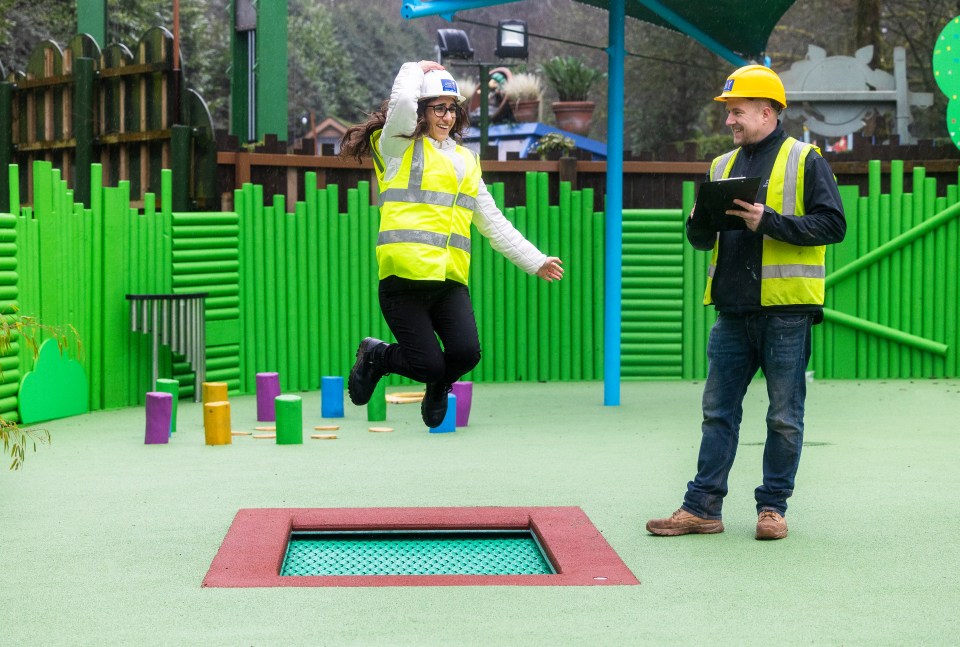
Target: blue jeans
779 345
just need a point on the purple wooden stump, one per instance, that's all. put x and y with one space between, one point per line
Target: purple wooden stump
159 408
464 393
268 387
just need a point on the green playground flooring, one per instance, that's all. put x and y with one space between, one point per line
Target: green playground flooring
105 541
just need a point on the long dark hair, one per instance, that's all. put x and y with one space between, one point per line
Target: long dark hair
356 141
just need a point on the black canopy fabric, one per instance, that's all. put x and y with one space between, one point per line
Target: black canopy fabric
742 27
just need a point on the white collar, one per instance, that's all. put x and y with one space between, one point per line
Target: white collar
446 144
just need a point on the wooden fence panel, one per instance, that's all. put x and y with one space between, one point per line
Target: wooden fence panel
117 107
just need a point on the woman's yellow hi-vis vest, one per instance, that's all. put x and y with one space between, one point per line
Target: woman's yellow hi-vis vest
791 274
425 214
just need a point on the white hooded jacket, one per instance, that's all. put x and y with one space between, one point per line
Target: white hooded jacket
401 121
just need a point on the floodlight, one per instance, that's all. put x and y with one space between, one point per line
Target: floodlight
453 43
512 39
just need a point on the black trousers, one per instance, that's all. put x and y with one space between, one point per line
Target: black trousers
420 312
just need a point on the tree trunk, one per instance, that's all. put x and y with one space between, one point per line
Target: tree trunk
868 28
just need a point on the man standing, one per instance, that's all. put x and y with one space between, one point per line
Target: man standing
766 281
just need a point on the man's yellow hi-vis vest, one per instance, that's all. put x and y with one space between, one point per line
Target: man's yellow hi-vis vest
425 214
791 274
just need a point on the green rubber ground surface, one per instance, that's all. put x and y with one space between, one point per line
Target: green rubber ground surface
105 541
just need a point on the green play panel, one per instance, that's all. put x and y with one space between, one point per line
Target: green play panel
441 552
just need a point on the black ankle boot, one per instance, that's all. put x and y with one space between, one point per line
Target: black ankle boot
433 408
367 370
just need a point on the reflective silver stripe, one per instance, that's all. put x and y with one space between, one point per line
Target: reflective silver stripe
790 176
711 270
722 163
460 242
467 202
417 196
375 154
416 165
411 236
423 237
793 271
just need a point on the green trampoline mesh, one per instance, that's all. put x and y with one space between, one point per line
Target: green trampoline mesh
415 553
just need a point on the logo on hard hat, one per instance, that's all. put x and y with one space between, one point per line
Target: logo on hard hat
448 85
728 86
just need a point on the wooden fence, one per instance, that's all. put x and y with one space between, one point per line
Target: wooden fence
649 181
129 112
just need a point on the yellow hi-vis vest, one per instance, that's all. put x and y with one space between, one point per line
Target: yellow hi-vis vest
791 274
425 214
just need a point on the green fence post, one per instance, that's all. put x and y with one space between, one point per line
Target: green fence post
530 285
563 291
258 266
279 225
6 150
84 110
575 296
312 279
181 165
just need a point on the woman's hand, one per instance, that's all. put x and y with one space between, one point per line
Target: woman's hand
428 66
551 270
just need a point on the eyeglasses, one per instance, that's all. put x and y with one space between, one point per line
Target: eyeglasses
441 109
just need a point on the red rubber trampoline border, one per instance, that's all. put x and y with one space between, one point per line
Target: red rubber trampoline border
252 552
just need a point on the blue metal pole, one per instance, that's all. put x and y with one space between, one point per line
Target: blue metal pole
613 224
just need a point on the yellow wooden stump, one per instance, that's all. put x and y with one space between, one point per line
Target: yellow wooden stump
216 423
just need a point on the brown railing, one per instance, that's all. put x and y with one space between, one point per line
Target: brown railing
646 184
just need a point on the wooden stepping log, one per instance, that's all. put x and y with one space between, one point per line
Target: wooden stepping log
404 397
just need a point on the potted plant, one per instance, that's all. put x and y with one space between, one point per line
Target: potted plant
524 91
572 80
553 145
468 87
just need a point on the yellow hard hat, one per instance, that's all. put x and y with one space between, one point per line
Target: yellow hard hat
754 82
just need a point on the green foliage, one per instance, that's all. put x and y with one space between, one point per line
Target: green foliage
24 23
668 103
553 143
570 77
376 44
708 146
29 331
204 43
16 440
320 74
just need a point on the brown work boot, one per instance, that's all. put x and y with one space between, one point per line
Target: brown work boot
771 525
682 522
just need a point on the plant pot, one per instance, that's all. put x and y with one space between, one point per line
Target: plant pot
574 116
526 110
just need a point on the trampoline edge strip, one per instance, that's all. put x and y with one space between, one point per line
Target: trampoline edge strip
253 550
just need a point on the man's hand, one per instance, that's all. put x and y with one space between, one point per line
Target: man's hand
752 214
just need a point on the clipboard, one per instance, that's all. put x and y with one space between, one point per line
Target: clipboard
716 197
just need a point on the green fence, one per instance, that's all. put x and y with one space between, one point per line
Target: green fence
293 288
892 295
309 288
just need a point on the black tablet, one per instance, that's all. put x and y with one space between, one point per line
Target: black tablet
715 198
